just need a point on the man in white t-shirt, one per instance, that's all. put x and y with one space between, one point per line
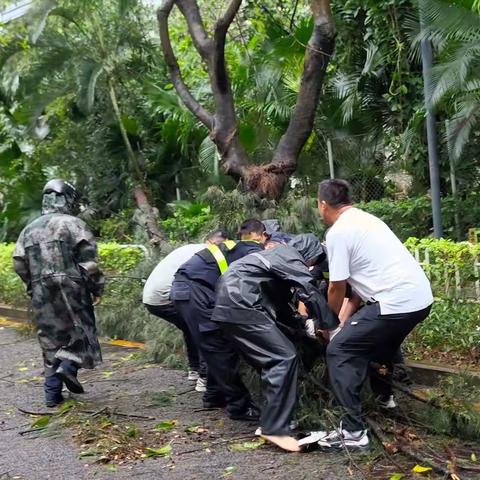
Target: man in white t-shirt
156 298
363 251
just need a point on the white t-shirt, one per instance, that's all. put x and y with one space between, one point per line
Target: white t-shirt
158 285
366 253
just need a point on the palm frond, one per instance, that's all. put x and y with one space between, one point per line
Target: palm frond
87 79
208 156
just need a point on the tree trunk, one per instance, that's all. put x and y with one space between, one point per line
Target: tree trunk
140 189
266 180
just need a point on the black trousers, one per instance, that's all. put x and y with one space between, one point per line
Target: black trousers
224 383
171 315
366 337
195 303
267 349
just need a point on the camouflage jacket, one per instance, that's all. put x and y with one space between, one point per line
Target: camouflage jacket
58 244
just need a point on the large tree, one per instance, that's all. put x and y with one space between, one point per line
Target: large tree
269 179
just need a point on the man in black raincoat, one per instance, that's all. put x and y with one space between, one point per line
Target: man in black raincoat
193 294
246 311
56 257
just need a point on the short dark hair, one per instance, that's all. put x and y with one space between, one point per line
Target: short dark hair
217 233
251 225
335 192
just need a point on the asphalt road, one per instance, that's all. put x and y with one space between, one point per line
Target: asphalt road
126 385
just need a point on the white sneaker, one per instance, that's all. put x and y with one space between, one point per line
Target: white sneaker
345 439
193 375
201 385
388 403
313 437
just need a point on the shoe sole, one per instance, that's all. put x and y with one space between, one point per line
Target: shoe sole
244 419
74 387
337 448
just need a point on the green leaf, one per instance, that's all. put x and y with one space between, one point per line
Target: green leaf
67 406
473 457
420 469
397 476
192 428
41 422
229 470
91 452
159 452
165 425
245 446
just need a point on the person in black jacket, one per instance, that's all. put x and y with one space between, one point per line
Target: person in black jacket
246 311
193 294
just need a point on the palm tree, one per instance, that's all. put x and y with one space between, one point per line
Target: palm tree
454 31
83 48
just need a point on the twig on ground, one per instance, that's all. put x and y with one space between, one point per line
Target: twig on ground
422 460
114 412
13 428
347 451
185 391
37 414
377 432
31 430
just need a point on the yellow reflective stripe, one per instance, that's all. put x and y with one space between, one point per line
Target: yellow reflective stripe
219 258
326 274
229 244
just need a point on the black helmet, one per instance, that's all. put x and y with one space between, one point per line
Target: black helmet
65 189
309 247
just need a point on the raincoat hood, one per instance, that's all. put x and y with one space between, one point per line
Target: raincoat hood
308 246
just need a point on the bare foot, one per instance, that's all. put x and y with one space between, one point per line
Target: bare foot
284 442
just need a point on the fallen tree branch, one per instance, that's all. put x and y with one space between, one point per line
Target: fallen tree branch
215 443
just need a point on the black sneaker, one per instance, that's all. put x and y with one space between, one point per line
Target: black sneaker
215 404
54 402
70 380
250 415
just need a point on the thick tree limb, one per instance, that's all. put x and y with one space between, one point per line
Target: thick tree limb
191 12
187 98
319 50
224 22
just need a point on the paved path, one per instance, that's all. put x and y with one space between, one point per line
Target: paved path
125 385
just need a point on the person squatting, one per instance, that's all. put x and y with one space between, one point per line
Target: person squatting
353 299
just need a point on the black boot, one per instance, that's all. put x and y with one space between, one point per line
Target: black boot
67 372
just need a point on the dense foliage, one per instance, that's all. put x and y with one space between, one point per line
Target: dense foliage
85 95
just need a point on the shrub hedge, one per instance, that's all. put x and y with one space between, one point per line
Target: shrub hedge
453 326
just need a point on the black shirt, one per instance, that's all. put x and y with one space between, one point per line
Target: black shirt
206 272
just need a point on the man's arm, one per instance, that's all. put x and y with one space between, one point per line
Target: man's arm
349 307
20 263
86 257
336 295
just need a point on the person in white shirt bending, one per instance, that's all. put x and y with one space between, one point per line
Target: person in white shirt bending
363 251
156 298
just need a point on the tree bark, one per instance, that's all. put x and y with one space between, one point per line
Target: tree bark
267 180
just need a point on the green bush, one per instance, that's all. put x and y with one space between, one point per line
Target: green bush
189 221
12 290
453 327
449 265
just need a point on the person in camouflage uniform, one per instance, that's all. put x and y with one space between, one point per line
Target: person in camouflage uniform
56 257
